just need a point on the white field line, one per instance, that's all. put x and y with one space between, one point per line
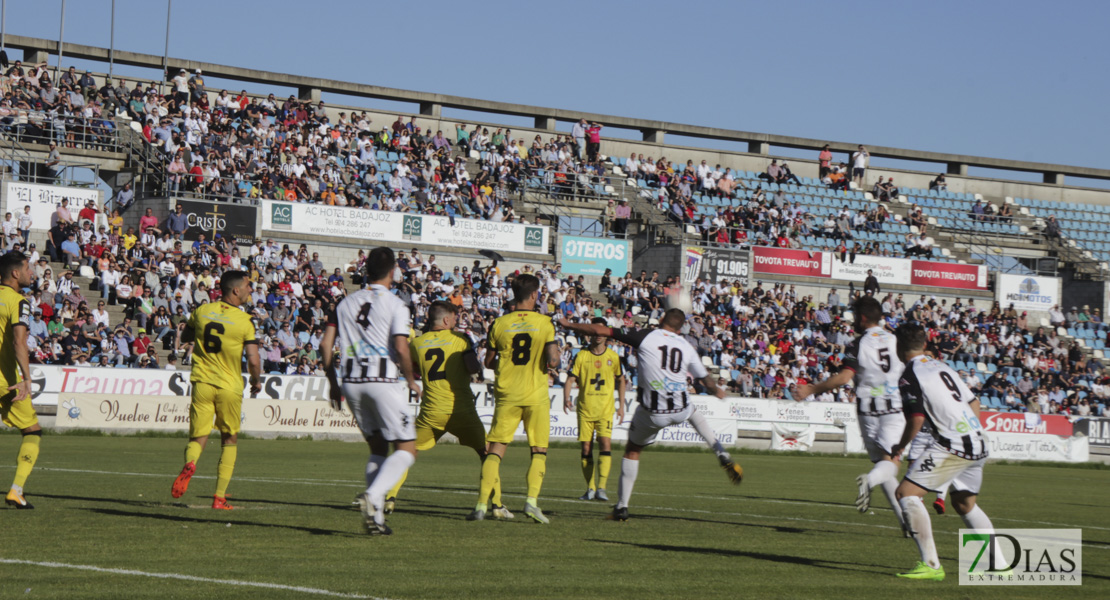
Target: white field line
178 576
349 484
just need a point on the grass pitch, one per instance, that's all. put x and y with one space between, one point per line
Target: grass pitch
790 531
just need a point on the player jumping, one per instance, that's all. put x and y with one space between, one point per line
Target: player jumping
597 371
666 360
222 332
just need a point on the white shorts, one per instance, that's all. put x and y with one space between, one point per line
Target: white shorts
920 443
881 433
937 469
382 409
646 425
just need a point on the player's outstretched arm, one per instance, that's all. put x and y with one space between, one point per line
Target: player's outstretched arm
586 328
710 386
841 379
552 353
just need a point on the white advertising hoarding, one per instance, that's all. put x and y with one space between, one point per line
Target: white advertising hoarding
1027 292
44 201
885 269
403 228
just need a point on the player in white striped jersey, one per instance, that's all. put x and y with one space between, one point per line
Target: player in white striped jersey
871 361
372 329
934 394
665 362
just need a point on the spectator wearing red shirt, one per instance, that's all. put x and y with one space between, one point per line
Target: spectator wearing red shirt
141 343
593 141
149 221
88 213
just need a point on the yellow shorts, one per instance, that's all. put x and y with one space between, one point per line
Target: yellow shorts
536 418
587 427
211 402
20 415
465 425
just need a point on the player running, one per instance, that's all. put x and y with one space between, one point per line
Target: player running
872 361
522 350
223 333
933 394
15 370
666 360
597 370
445 360
372 328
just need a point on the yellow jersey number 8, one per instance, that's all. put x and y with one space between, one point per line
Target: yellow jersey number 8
521 349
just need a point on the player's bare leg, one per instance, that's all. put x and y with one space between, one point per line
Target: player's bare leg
630 469
921 529
28 454
588 470
734 471
966 505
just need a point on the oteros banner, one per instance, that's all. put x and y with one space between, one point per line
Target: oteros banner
403 228
591 256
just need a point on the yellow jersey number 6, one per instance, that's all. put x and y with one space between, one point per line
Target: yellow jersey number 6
211 341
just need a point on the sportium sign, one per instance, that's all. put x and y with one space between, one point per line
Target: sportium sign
1021 557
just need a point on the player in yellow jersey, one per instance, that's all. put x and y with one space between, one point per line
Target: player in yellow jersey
521 350
445 360
15 370
222 332
597 371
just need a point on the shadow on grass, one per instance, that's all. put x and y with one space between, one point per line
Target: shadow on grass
777 558
222 520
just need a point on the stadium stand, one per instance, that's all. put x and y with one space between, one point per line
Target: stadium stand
118 295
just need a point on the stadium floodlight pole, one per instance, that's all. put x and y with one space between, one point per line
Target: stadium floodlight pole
166 54
61 39
3 22
112 41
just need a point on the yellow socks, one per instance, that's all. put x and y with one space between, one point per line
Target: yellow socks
535 474
491 478
28 454
192 452
605 461
397 488
227 466
588 470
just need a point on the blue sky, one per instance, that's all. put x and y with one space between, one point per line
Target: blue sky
1021 80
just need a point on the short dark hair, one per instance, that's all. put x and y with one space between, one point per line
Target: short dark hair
869 308
231 280
911 336
599 321
10 262
380 262
525 285
674 318
437 311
